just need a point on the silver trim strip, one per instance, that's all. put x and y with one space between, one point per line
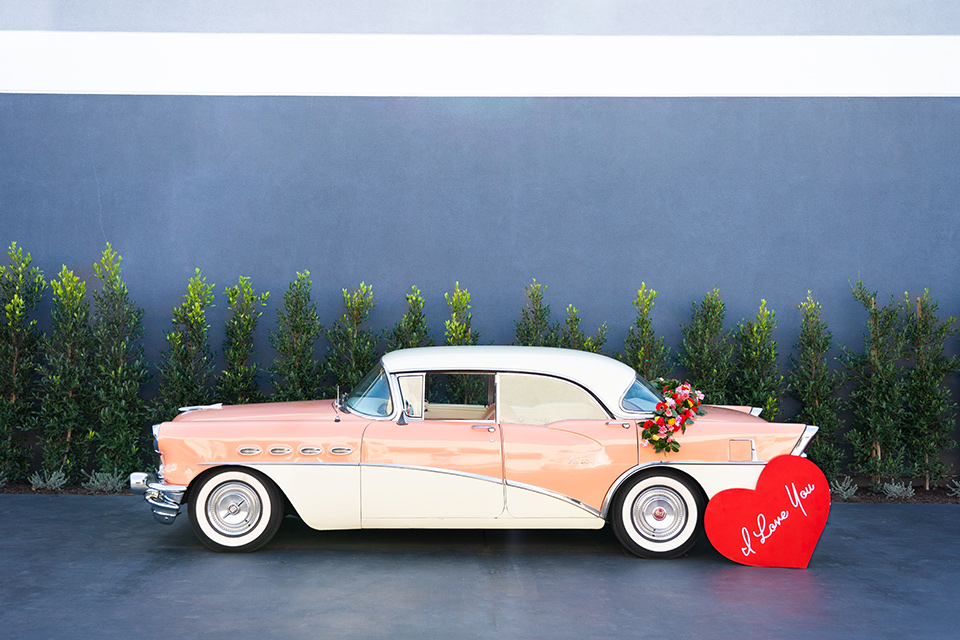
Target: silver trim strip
608 499
553 494
450 472
809 431
200 407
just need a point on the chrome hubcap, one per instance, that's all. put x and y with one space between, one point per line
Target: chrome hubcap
233 509
659 514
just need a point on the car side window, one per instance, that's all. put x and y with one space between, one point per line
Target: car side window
533 399
459 396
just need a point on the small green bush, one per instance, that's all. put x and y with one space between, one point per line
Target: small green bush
48 480
21 289
411 331
571 336
898 490
353 348
457 329
930 406
238 383
296 372
815 387
534 328
706 351
878 397
66 409
642 350
121 371
105 482
843 490
186 368
757 381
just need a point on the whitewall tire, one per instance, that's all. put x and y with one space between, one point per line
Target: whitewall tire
235 510
658 515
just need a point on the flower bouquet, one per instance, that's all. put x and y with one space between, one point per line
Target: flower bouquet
680 407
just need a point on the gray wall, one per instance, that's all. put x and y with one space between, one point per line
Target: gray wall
765 198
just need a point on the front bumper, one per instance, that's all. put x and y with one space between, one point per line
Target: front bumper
164 499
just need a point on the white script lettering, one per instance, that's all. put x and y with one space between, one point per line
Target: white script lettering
797 498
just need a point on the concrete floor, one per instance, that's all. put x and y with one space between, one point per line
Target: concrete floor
99 567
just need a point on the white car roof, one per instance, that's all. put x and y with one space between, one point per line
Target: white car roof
605 377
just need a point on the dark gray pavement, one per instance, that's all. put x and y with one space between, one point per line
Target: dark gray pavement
99 567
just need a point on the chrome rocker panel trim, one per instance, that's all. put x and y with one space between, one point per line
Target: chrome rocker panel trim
164 499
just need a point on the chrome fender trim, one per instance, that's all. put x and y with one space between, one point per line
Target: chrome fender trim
808 432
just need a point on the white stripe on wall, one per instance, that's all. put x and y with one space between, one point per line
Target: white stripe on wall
483 65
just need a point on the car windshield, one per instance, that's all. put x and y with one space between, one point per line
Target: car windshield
371 396
641 396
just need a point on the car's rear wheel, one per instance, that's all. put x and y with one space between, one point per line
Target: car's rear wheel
235 510
658 515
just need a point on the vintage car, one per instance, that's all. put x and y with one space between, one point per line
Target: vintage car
476 437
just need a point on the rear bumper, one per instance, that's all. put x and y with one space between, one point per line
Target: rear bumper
164 499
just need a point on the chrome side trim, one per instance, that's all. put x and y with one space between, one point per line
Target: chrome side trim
279 450
808 432
553 494
608 499
449 472
251 450
261 463
756 411
200 407
341 451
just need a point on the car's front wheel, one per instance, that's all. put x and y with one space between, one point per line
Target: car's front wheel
658 515
235 510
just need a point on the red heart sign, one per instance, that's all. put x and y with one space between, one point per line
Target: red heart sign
779 523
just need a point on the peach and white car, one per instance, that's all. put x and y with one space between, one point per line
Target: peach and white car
485 437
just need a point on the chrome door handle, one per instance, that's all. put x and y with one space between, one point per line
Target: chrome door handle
625 425
483 426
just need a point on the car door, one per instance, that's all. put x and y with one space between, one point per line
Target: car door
562 449
443 460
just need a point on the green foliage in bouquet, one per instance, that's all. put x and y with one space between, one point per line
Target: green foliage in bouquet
815 387
757 382
187 367
120 372
21 289
642 350
353 348
706 351
930 406
878 397
238 383
296 372
66 407
411 331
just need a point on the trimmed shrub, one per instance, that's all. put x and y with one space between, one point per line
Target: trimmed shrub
757 381
878 398
66 407
296 372
238 383
930 406
642 350
120 371
187 368
21 289
706 351
572 337
411 331
353 349
815 387
457 329
534 328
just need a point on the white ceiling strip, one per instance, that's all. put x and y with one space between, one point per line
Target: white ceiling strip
253 64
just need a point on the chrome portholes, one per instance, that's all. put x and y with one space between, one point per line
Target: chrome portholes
249 450
341 451
310 451
279 450
233 509
659 514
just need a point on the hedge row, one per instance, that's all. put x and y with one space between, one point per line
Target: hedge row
78 390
